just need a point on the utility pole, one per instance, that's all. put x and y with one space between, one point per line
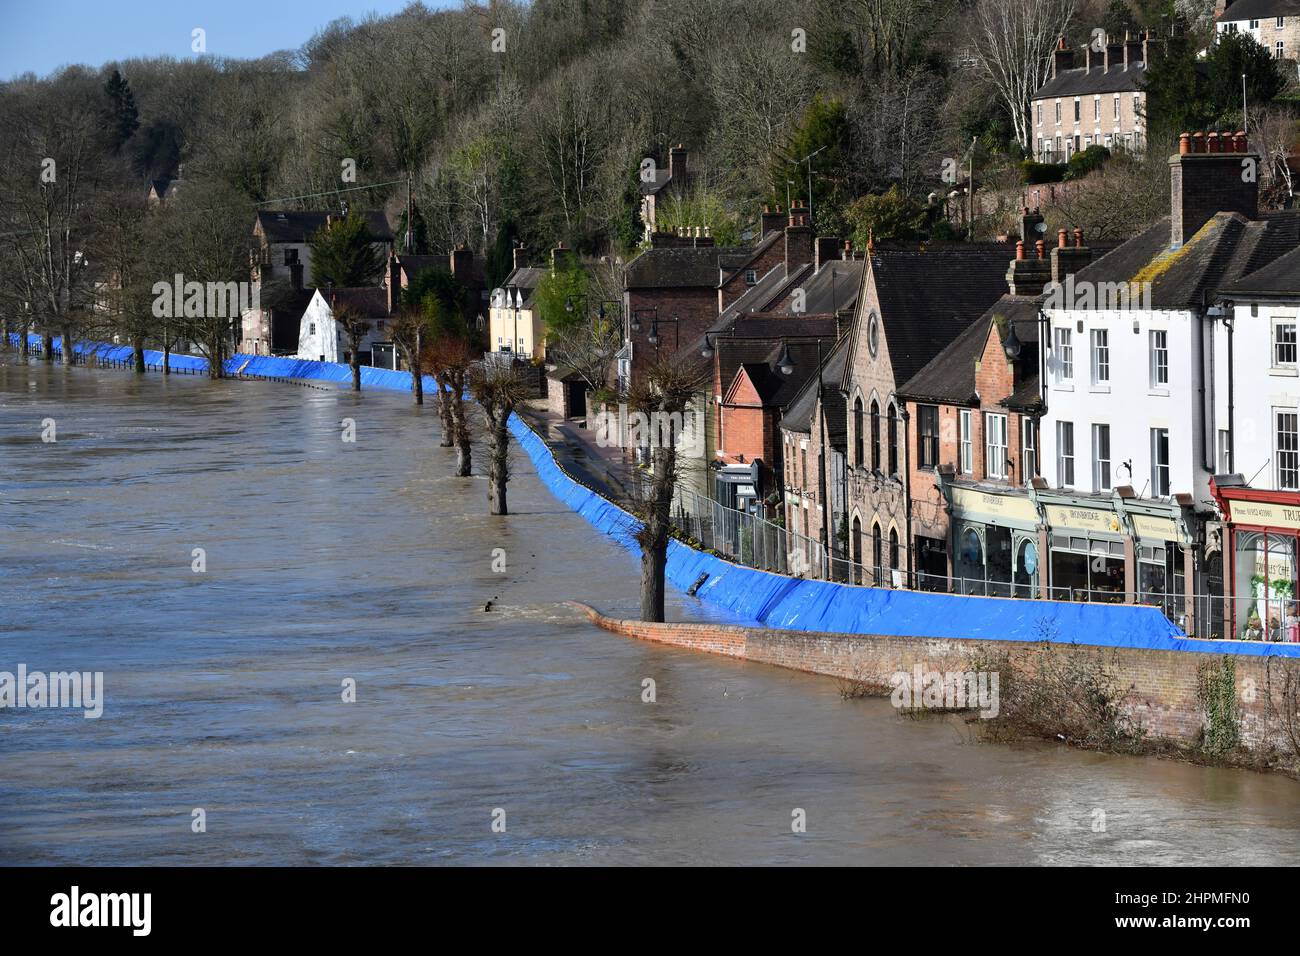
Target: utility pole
1244 121
408 213
970 194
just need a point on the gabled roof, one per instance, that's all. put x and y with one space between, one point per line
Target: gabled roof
798 414
298 226
1228 248
662 178
677 268
1260 9
527 278
732 263
949 377
776 389
927 298
370 301
832 288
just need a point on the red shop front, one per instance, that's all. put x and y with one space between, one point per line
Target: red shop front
1260 552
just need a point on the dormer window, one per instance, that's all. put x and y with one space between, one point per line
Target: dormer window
751 277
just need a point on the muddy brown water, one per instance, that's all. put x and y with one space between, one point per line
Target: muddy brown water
328 561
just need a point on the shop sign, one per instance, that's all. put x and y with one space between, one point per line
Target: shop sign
1153 528
1082 519
1264 513
1005 507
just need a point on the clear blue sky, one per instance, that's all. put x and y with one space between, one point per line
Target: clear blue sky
42 35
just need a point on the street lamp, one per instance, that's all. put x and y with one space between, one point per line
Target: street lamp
786 362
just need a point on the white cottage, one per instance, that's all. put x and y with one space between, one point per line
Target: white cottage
322 339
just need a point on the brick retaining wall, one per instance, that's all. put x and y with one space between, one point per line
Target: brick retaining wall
1161 684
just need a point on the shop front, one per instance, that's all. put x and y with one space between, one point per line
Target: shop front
995 541
1160 546
1087 551
1263 533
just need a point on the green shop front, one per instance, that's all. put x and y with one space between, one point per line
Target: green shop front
995 540
1088 548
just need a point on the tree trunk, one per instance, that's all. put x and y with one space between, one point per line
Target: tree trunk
460 429
499 472
47 347
68 352
167 357
444 414
356 371
653 559
417 384
137 354
655 532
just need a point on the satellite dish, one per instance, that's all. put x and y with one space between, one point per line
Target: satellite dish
1040 227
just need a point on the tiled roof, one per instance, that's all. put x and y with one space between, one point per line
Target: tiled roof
677 268
371 301
1260 9
1281 278
798 414
1082 81
295 226
927 298
950 376
1223 251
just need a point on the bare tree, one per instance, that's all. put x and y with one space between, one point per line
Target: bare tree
663 397
1273 131
1012 43
355 328
498 389
450 356
409 335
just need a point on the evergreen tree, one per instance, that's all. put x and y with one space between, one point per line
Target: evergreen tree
343 253
123 118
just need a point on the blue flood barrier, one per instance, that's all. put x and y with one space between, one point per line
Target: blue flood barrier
775 600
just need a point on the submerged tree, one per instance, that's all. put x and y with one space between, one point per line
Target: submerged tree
662 399
498 389
450 359
355 327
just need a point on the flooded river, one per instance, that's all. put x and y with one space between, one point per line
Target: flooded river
329 562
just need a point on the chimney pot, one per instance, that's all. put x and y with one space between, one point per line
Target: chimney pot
1184 144
1041 248
1020 250
1078 238
1060 238
1198 142
1212 142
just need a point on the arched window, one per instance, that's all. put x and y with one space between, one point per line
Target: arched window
858 437
875 436
893 438
875 552
893 549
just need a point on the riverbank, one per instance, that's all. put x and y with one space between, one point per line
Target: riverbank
1125 700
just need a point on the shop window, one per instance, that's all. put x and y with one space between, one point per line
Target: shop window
1264 580
1101 458
1160 462
995 445
1284 345
1029 449
927 436
967 457
1100 357
1288 452
1159 358
1065 454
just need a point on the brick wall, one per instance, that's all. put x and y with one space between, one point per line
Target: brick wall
694 308
1161 684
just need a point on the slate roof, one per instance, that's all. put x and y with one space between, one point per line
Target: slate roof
949 377
527 278
927 298
413 265
662 178
776 389
832 288
1279 279
296 226
1260 9
371 301
1226 249
677 268
798 414
1082 81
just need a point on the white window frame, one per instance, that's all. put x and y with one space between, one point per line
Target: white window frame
1116 108
1158 345
1028 449
1064 354
1065 454
1287 472
1099 340
1292 346
1223 453
1160 470
966 450
1102 476
995 445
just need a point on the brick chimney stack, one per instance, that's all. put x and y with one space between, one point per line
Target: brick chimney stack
773 219
677 165
1209 175
1062 58
462 261
1028 275
1132 50
798 238
826 249
519 257
1068 259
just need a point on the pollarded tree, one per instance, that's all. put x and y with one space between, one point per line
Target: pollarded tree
498 389
355 327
